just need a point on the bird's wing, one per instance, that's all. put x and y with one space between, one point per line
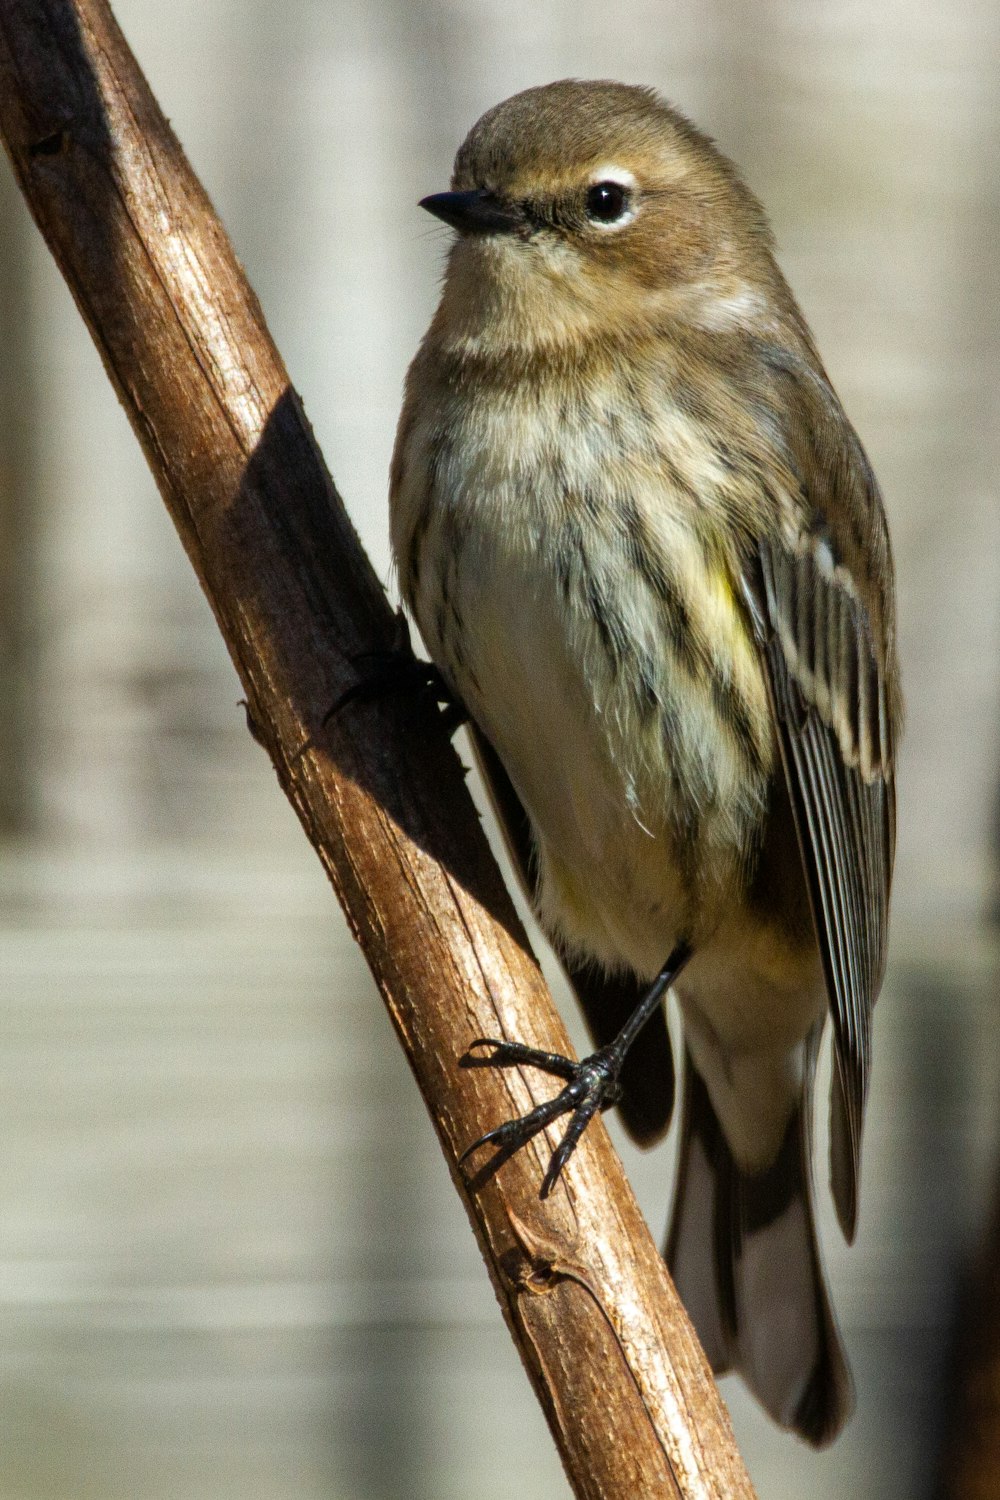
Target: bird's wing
607 1001
833 709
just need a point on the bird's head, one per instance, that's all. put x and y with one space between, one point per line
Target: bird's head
587 207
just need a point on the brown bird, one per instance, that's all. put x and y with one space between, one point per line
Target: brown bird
646 551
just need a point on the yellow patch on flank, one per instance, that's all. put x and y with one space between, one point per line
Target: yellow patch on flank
723 595
727 621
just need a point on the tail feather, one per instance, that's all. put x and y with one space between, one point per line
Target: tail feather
743 1252
843 1158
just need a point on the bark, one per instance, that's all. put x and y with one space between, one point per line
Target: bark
379 791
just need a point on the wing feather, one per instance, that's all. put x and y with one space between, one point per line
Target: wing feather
829 697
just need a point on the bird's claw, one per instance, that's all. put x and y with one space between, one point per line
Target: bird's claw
516 1054
395 669
592 1086
390 671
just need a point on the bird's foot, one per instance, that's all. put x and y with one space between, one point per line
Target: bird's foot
397 670
591 1086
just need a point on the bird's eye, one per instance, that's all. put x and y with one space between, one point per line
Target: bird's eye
607 202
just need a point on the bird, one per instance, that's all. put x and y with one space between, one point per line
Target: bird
648 556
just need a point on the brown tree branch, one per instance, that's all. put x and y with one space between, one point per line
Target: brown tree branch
380 791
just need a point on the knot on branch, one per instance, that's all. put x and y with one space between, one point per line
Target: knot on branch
529 1272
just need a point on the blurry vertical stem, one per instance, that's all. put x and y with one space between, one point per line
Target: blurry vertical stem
380 791
970 1458
17 519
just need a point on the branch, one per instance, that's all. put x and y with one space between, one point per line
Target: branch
380 792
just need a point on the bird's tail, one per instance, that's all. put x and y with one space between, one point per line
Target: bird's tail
743 1253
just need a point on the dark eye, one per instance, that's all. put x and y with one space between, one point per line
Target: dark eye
607 202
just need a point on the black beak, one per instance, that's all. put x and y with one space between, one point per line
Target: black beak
477 212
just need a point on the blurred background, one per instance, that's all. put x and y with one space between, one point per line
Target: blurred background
231 1260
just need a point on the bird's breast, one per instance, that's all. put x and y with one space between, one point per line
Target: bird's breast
562 576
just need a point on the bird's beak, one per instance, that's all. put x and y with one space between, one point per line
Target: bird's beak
476 212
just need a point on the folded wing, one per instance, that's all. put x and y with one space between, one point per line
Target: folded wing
831 701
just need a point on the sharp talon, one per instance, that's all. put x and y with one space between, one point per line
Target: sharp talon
561 1155
514 1134
551 1176
486 1060
484 1140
